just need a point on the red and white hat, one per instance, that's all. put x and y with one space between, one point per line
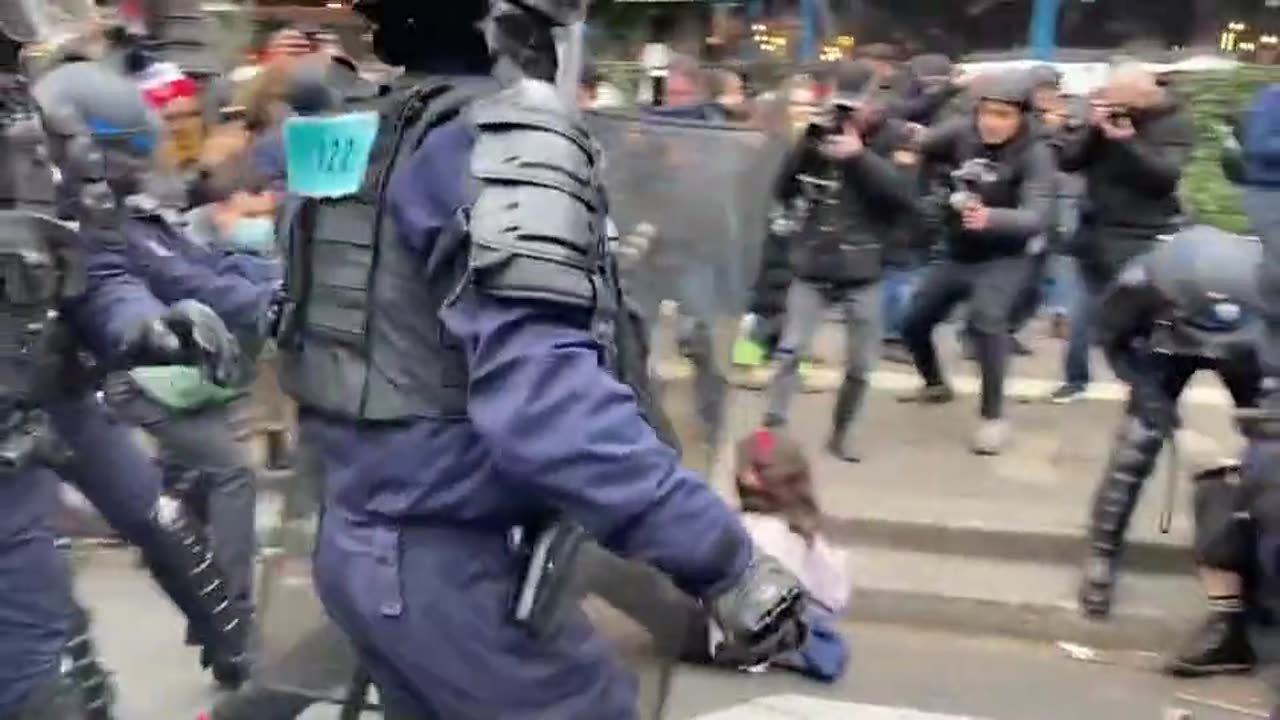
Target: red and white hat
164 82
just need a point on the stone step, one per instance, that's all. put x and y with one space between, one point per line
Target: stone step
1034 601
955 537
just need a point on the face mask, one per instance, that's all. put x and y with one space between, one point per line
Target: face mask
255 235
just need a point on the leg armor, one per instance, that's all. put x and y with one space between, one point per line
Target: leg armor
84 670
1137 446
59 699
179 559
1223 536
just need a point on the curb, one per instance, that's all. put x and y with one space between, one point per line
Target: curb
1165 558
1125 630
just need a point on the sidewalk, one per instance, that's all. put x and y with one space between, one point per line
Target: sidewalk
940 537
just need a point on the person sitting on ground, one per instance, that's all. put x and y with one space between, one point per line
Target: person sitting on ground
775 491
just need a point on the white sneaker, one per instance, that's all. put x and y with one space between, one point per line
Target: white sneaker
991 437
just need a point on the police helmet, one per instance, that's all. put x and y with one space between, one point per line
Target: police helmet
89 99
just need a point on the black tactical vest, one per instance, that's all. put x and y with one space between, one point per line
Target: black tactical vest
41 267
361 339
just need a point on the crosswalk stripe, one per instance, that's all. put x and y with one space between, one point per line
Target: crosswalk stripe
800 707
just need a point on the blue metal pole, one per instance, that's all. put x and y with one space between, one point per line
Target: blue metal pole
809 42
1044 28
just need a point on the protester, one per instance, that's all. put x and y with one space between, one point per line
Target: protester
1001 201
1131 152
854 174
1048 107
780 511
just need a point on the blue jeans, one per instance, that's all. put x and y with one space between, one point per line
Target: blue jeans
1262 205
1064 285
1084 319
896 290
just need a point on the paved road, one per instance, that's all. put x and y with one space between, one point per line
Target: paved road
906 671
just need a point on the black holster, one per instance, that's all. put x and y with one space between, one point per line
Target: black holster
550 582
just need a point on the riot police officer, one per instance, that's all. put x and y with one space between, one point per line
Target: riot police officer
98 129
1187 305
54 300
454 337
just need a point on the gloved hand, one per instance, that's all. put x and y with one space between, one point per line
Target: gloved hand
189 333
761 616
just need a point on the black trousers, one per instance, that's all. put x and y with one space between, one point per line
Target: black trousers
1030 297
1140 439
990 287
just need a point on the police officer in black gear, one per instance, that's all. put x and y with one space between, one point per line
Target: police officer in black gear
855 185
1001 202
100 135
469 272
1188 304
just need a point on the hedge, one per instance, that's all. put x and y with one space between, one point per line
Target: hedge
1214 97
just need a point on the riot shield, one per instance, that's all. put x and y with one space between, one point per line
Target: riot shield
689 200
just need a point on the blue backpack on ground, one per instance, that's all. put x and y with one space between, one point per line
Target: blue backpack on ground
1261 141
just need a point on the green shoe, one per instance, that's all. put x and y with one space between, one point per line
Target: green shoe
748 354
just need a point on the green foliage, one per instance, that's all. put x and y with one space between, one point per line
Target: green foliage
1213 99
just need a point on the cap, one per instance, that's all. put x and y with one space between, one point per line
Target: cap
853 79
1044 76
1007 86
933 65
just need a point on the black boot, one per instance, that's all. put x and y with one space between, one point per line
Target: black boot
96 689
1098 585
848 401
1219 646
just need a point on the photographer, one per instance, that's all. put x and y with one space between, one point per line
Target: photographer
854 174
1001 200
1131 151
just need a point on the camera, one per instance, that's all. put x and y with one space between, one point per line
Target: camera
968 181
1119 116
833 119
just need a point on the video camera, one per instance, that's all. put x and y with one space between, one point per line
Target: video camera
969 180
833 119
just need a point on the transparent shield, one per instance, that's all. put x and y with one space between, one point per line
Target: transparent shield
40 21
690 201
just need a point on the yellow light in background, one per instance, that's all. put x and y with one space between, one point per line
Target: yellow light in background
1269 40
845 41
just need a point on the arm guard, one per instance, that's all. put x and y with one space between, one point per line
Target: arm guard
537 224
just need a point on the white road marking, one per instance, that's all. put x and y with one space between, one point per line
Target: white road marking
799 707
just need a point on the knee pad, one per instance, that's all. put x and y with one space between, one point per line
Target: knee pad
1222 530
1137 447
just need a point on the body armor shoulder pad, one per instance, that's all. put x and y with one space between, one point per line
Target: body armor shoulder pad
44 259
537 222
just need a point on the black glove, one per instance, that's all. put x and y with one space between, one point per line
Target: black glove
762 615
189 333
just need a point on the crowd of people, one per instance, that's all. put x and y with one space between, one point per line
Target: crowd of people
916 193
471 395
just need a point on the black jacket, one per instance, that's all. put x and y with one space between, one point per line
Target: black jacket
879 189
1131 187
1021 200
